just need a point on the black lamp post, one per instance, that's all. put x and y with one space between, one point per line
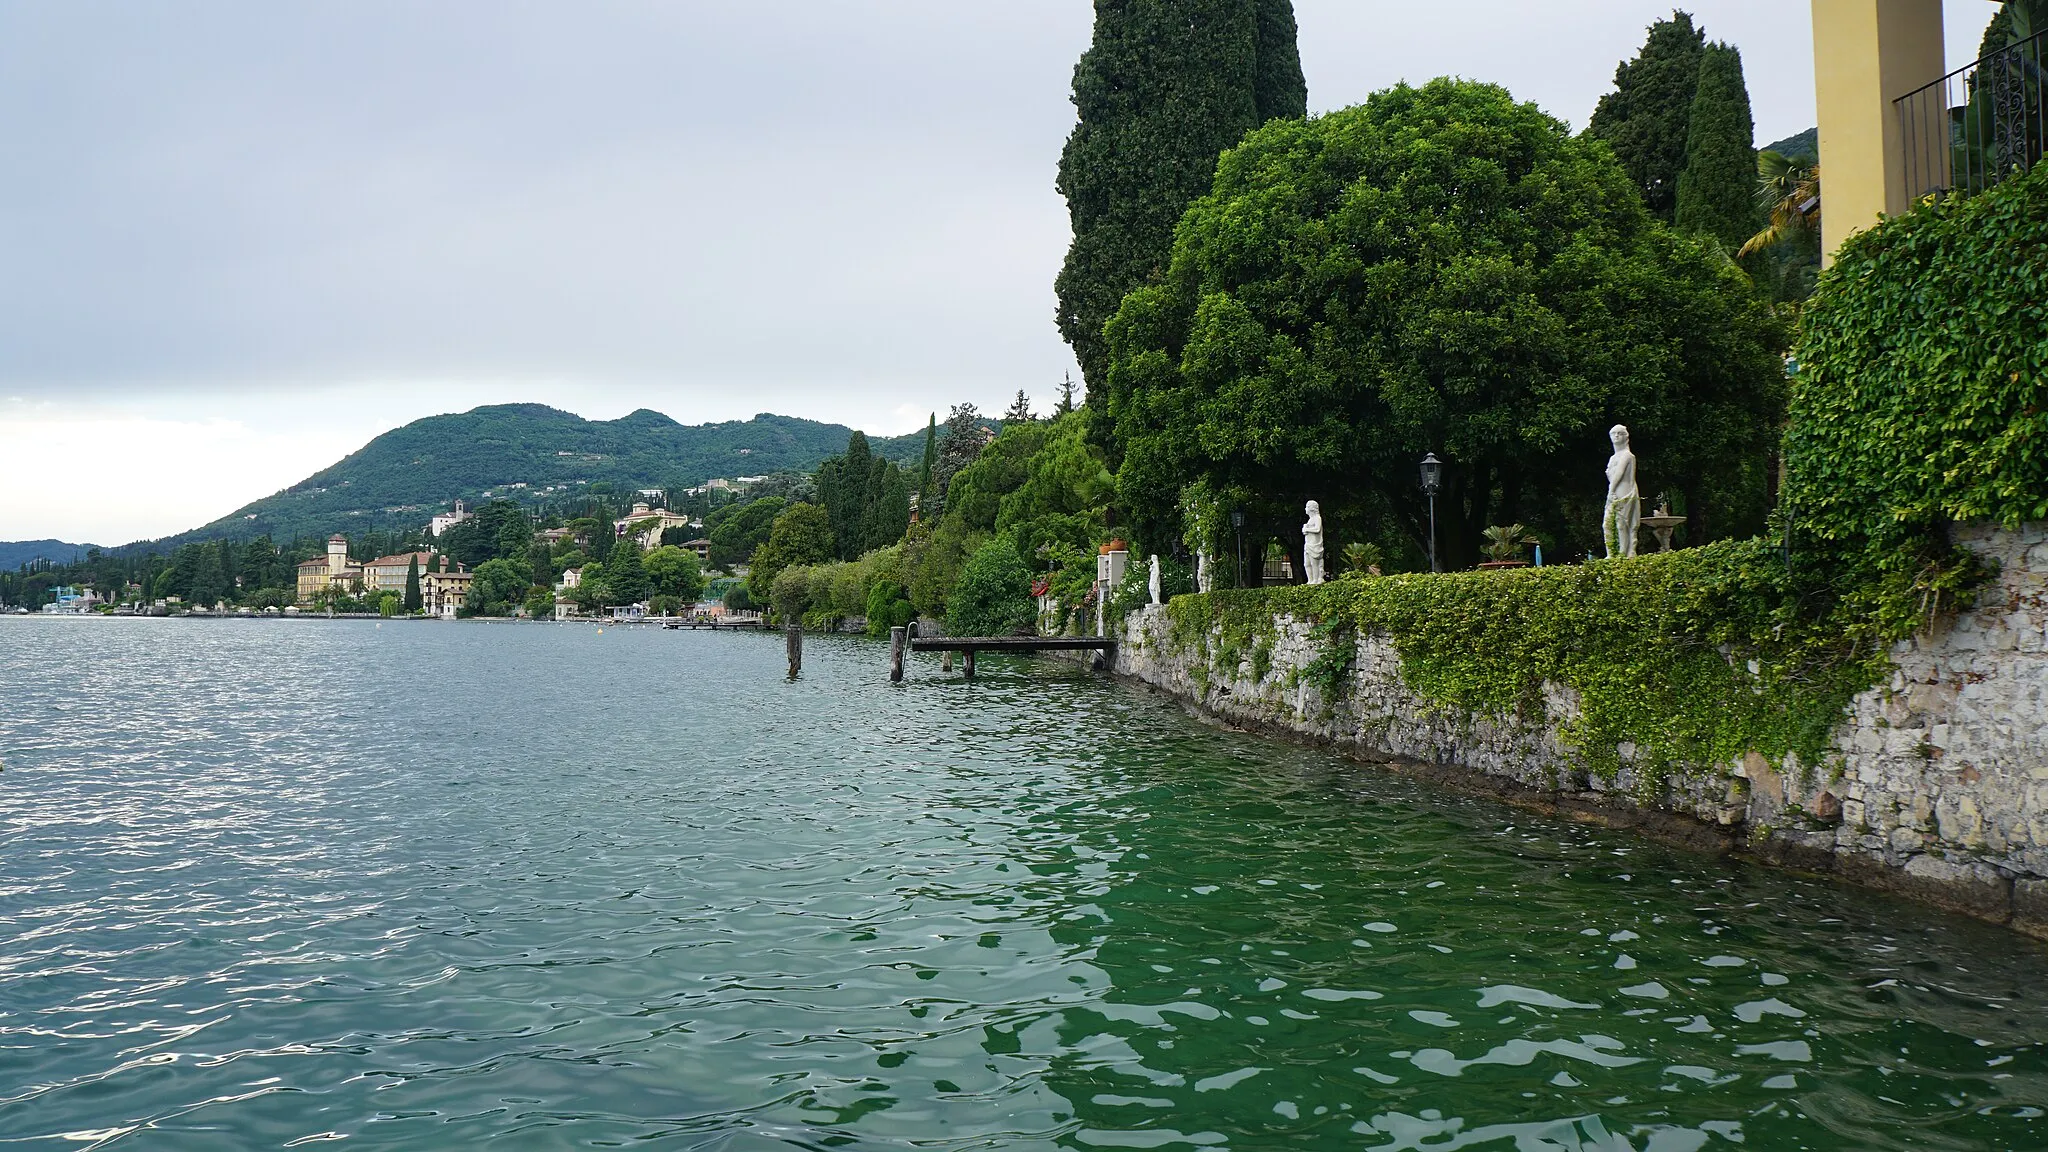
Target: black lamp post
1432 480
1237 526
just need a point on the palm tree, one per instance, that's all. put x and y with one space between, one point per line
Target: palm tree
1789 187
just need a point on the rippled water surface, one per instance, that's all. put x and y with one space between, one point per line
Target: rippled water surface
459 886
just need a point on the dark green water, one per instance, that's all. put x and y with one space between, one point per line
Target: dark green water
471 886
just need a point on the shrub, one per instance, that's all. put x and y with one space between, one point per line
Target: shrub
993 595
888 607
1922 390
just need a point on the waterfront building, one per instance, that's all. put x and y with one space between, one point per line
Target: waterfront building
387 573
332 571
662 518
72 602
444 590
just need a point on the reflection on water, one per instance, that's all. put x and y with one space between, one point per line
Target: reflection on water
427 886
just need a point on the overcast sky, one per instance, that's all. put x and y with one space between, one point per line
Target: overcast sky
239 239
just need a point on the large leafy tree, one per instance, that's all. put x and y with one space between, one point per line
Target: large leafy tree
737 529
1648 116
993 597
1717 194
1440 269
1165 86
673 571
802 534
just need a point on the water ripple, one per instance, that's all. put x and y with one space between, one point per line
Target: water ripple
284 883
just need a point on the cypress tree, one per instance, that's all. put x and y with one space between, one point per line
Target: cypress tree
888 514
927 502
1279 89
1717 189
1165 87
1648 116
413 601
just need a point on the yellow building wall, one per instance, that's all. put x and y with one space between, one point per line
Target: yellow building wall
1866 54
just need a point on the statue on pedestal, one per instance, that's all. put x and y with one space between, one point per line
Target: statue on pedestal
1152 578
1622 520
1312 544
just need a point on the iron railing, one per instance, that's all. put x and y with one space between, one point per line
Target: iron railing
1978 125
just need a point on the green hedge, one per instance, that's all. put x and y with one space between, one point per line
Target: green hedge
1922 394
1660 649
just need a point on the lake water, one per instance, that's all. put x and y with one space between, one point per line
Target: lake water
272 883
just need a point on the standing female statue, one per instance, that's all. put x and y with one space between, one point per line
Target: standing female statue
1624 515
1312 544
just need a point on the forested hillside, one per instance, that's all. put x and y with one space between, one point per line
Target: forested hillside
406 475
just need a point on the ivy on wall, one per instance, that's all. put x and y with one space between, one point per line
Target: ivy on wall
1694 657
1922 394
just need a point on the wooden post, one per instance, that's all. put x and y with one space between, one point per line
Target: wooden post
946 661
794 639
896 636
967 665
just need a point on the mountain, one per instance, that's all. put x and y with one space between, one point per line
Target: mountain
15 553
1806 144
528 452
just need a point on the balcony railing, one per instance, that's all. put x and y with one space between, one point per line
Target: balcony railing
1979 124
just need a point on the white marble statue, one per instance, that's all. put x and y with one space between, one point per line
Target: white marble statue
1152 577
1202 577
1622 521
1312 544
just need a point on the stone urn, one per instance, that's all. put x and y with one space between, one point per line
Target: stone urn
1663 524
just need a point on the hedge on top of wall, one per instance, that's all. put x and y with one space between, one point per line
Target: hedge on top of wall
1922 389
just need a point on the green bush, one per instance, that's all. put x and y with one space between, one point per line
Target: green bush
1922 390
993 596
888 607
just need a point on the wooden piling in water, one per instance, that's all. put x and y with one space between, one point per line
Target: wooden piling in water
967 663
793 637
896 638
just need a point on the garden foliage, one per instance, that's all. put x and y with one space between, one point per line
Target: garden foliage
1440 270
1922 395
1165 86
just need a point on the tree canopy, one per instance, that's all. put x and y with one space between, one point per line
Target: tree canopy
1165 86
802 534
1440 270
1717 190
1648 116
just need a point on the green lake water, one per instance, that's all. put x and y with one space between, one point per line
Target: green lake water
271 884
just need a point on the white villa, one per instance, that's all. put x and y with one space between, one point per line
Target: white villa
663 520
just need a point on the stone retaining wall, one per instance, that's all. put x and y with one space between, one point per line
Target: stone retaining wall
1938 788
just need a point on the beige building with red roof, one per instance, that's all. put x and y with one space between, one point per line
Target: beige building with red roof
332 571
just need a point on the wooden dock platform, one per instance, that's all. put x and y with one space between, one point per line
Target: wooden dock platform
969 645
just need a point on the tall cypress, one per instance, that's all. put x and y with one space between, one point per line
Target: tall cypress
927 500
1717 189
1279 88
1165 87
413 601
1648 116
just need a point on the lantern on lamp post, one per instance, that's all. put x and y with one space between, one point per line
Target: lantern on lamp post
1432 481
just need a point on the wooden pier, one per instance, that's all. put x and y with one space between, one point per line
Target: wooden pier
728 625
969 645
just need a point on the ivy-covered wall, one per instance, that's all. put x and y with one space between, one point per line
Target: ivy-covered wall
1671 690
